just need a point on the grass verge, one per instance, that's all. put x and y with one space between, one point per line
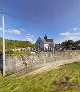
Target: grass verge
64 79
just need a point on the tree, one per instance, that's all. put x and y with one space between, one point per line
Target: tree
11 44
68 44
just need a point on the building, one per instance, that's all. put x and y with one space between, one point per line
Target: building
58 47
44 44
78 45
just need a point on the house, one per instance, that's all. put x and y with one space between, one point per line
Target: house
78 46
58 47
44 44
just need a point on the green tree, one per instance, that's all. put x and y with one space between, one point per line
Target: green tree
68 44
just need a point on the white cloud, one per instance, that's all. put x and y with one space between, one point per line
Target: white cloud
72 34
29 37
23 30
14 31
1 28
75 29
65 34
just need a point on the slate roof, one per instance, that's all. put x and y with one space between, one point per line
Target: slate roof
49 40
43 40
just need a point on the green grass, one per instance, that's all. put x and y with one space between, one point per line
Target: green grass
64 79
18 53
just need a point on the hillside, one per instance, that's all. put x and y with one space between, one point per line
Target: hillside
11 44
64 79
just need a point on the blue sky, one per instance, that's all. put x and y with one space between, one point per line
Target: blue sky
58 19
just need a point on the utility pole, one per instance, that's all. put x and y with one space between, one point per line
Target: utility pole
3 44
3 32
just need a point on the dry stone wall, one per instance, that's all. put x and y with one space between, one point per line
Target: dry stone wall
15 63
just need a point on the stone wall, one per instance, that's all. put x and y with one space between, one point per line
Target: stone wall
15 63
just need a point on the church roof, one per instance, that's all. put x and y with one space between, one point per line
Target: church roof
43 40
49 40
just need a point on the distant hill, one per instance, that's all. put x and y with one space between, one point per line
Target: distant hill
11 44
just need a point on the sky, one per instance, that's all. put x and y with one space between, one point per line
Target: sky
30 19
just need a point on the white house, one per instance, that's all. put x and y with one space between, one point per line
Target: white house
44 44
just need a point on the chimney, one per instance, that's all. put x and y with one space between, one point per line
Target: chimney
45 37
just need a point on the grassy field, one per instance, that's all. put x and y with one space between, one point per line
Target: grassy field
64 79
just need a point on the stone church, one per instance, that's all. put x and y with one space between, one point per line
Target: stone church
44 44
